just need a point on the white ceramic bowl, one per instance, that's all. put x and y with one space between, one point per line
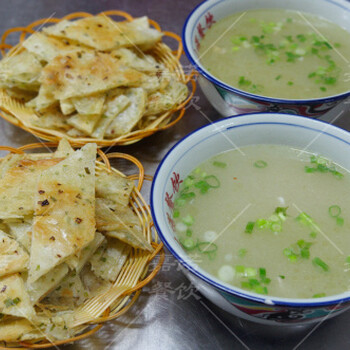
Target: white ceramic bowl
261 128
228 100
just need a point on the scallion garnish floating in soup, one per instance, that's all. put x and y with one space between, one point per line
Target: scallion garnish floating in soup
278 53
265 222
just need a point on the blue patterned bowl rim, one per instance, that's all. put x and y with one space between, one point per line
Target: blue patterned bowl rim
289 302
196 64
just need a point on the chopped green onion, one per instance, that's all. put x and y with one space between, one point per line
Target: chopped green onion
347 259
330 80
322 88
187 195
274 222
189 233
254 285
321 161
188 220
290 254
301 243
287 252
250 272
281 210
180 202
12 302
243 81
260 164
189 181
334 211
250 226
313 234
212 179
337 174
299 250
262 272
311 75
253 282
278 77
305 253
176 213
301 37
276 227
289 20
322 165
319 262
262 223
261 290
294 253
310 169
322 168
246 271
305 219
265 280
293 258
291 56
8 302
203 186
245 285
340 221
319 295
290 83
255 39
219 164
240 269
313 159
188 243
282 277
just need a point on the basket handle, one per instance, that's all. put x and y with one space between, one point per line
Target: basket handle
141 175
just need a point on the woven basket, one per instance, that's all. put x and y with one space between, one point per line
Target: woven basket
17 114
138 277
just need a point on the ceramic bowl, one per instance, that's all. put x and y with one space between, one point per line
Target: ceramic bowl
260 128
228 100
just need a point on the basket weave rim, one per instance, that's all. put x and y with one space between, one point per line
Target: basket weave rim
155 242
165 121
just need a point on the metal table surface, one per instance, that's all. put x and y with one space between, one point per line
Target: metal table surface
171 314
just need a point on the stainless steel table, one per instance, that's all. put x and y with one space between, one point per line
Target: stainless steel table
171 314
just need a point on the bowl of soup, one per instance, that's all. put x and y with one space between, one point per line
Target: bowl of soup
271 55
256 208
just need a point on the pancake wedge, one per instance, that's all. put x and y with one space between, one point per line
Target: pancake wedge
84 73
102 33
64 221
14 299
